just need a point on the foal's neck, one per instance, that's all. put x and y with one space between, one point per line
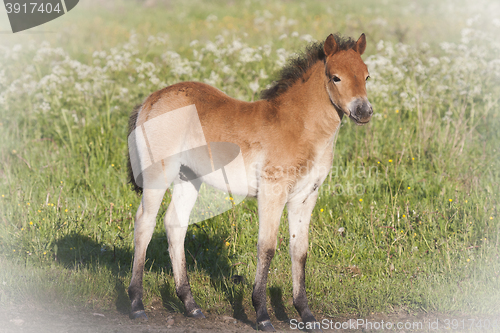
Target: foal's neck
307 101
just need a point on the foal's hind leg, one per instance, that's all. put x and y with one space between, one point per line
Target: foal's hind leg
145 222
157 178
299 216
176 224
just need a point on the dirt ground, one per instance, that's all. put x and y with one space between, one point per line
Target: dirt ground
31 319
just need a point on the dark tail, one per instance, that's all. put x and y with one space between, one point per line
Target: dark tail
131 126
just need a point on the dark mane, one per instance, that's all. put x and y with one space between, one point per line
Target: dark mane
298 65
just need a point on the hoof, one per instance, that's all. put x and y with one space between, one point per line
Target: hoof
265 326
138 314
196 313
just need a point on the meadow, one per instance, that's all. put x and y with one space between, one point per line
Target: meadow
407 220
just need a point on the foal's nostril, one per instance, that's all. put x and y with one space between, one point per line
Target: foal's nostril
361 109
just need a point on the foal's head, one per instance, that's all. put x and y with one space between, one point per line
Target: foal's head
346 78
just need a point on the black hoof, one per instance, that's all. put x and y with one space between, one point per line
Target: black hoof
138 314
196 313
265 326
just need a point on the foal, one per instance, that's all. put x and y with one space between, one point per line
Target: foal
286 143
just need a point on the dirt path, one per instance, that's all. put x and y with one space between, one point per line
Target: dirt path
31 319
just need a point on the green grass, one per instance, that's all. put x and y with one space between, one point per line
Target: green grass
416 190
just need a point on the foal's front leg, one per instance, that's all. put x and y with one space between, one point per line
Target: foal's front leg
299 216
271 204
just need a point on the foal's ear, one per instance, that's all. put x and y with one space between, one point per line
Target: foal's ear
360 44
330 46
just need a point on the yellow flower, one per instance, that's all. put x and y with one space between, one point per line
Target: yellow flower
465 201
39 211
468 259
390 161
14 151
400 128
13 250
414 234
3 196
44 252
450 200
413 158
234 224
227 244
404 215
66 210
112 165
409 187
360 200
31 222
397 111
491 217
321 210
28 203
22 229
378 162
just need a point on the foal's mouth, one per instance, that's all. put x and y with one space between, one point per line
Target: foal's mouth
357 121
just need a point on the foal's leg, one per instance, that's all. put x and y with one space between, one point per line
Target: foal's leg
145 222
270 209
176 224
157 179
299 216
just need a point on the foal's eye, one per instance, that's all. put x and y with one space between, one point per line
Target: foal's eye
335 78
367 77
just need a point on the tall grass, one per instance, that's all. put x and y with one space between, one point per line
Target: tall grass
408 217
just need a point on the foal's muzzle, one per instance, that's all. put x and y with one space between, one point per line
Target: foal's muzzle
361 111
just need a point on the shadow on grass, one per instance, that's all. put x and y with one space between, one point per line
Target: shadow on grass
277 304
77 251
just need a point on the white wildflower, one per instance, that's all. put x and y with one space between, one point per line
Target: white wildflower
308 38
380 45
213 79
282 55
211 18
262 74
433 61
254 86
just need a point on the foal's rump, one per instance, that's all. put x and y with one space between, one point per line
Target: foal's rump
168 146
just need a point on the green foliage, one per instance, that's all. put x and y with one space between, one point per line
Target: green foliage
408 217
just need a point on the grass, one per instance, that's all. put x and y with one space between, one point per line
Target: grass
415 191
